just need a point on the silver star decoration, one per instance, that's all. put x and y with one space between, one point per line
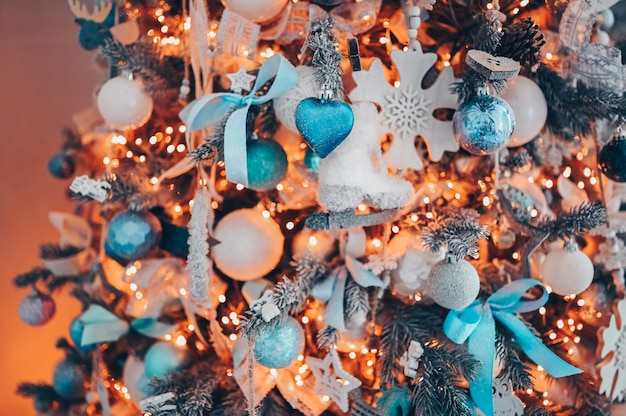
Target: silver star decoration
335 385
240 80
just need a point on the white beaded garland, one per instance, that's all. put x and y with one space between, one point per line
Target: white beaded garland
568 271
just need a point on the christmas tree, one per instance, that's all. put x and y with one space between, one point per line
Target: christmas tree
328 207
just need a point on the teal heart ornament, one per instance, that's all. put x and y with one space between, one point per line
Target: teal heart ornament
324 124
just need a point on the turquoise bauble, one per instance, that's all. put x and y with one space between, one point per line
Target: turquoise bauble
280 346
132 235
267 164
483 124
612 159
521 203
76 334
312 160
323 124
163 357
69 379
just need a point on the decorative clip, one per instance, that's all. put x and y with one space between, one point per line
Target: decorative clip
353 54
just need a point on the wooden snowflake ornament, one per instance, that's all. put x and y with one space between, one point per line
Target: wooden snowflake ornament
613 370
407 110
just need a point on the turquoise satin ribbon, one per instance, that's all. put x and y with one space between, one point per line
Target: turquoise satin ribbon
209 110
100 325
476 323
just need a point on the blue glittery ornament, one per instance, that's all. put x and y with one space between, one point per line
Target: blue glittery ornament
267 164
483 124
280 346
163 357
312 160
132 235
61 166
76 334
323 124
612 159
69 379
521 203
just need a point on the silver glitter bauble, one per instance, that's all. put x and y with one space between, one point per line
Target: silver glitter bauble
453 285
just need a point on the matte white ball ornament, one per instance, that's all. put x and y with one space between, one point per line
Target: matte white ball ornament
250 244
124 104
453 285
568 271
257 11
529 107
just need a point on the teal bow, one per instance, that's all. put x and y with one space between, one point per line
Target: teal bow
209 110
476 323
100 325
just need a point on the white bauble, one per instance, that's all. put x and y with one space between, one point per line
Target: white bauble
124 104
316 243
250 245
135 380
568 271
257 11
285 104
529 107
453 285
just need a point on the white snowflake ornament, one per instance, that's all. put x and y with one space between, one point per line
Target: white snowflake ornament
613 371
334 384
407 110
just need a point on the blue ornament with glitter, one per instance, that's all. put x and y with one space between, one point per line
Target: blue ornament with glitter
483 124
69 379
521 203
612 159
76 334
132 235
312 161
280 346
61 166
323 124
267 164
162 357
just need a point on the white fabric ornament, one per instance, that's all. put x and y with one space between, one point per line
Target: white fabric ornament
529 107
250 244
354 172
285 104
568 271
453 285
124 104
613 368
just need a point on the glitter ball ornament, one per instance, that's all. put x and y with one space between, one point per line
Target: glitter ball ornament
483 124
163 357
453 285
61 165
69 379
529 108
250 244
568 271
76 334
280 346
267 164
132 235
124 104
521 203
612 159
36 308
257 11
312 160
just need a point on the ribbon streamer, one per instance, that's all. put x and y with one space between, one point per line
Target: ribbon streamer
476 323
209 110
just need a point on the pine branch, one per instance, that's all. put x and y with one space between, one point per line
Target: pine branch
355 302
585 217
233 404
56 251
326 58
513 368
536 411
275 405
39 391
327 338
458 231
517 158
522 42
437 392
31 278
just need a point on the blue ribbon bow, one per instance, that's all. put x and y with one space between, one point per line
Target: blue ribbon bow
476 324
209 110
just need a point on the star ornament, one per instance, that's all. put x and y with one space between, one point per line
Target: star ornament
240 80
334 384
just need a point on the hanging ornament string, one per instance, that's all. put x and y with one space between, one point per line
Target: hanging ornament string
199 46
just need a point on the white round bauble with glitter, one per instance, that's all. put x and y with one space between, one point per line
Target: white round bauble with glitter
568 271
529 107
453 285
285 104
250 244
124 104
257 11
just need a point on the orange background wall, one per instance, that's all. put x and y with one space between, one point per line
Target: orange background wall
45 77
